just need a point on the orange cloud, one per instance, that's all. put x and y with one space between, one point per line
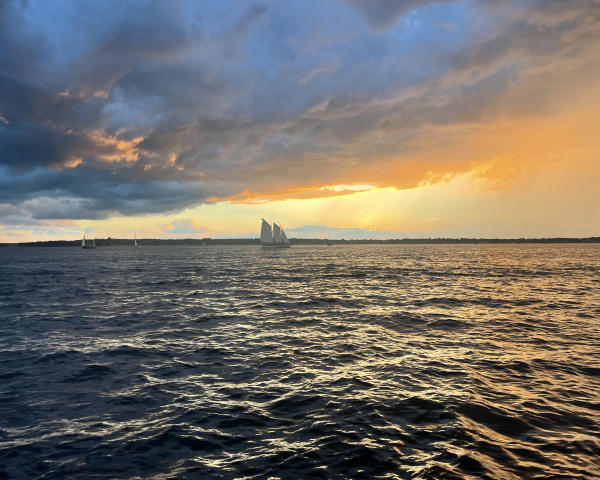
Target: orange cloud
60 223
113 149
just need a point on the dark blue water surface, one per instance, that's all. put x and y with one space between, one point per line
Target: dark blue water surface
369 362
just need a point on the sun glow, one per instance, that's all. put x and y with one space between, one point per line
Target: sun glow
341 187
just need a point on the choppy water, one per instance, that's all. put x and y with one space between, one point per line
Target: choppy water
314 362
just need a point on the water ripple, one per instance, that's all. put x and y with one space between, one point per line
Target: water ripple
349 362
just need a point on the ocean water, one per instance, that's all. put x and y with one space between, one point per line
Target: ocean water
374 362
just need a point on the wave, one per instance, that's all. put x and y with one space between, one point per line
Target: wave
394 362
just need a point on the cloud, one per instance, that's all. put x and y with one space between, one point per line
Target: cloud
113 108
184 226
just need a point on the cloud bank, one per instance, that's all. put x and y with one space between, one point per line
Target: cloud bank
120 108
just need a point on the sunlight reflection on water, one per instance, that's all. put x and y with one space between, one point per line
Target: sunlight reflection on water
231 362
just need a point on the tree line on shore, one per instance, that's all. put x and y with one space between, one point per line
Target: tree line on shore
121 242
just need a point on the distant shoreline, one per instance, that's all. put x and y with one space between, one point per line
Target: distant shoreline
116 242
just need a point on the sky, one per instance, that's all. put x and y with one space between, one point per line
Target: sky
347 118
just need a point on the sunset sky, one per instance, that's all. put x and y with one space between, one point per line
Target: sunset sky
354 118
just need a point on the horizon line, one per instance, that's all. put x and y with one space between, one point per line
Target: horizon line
593 239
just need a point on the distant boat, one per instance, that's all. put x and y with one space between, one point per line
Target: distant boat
273 236
87 243
135 239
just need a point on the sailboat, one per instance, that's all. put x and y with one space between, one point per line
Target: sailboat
86 242
273 236
135 239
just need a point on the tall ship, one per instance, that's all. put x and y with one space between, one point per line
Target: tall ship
86 242
273 236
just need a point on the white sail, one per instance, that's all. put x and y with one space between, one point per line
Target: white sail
87 243
284 236
277 234
266 234
135 238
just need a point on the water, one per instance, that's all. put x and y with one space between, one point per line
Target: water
314 362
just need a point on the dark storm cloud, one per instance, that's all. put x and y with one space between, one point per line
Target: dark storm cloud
51 194
23 103
123 36
29 146
122 108
22 49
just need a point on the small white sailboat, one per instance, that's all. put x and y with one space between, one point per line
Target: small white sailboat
135 244
273 236
86 242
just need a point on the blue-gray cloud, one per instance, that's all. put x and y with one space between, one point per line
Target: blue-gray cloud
382 15
121 108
